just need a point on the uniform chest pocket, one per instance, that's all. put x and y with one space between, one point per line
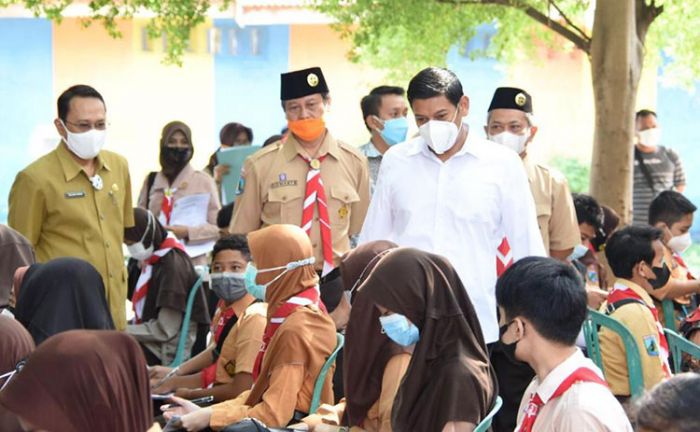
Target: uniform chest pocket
340 204
284 205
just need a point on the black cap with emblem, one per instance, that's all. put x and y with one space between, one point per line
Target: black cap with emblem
511 98
302 83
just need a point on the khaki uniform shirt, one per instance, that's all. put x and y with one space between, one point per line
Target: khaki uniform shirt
275 188
242 345
640 321
54 205
556 214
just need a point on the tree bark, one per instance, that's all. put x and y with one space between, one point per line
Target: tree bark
617 57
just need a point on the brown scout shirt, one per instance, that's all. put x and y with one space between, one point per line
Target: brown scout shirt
556 214
275 188
53 204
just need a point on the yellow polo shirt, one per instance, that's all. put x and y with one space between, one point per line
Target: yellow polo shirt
54 205
640 321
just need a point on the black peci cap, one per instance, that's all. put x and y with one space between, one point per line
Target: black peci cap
511 98
302 83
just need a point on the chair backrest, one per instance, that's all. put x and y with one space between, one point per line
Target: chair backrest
634 363
678 345
669 314
485 424
180 352
321 379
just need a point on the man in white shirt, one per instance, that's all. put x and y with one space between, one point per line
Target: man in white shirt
543 305
453 193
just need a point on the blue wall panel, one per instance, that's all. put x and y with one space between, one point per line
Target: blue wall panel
26 93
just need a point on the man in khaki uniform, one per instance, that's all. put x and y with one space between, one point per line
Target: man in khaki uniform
279 185
510 124
76 200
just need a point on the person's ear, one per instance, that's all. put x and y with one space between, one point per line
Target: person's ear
533 132
374 123
327 102
486 130
60 128
463 106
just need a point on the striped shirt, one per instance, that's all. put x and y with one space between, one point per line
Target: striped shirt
666 172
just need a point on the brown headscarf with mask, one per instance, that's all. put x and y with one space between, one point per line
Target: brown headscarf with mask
173 275
173 160
83 380
367 351
449 378
15 345
307 336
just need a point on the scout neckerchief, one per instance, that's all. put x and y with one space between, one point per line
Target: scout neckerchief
504 257
209 373
166 207
622 292
582 374
310 296
139 298
316 195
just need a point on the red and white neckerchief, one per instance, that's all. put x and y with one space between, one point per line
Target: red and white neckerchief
138 300
308 297
682 263
582 374
209 372
166 207
622 292
504 257
316 195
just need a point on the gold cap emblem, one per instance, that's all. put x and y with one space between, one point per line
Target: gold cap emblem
520 99
312 79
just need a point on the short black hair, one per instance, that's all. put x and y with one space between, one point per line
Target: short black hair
628 247
432 82
549 293
644 113
272 139
79 90
237 242
223 218
588 210
370 104
671 406
669 207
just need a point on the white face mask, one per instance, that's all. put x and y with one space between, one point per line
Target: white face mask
85 145
512 141
440 135
650 137
681 243
137 251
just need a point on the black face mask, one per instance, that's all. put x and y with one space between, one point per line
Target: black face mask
663 274
508 349
176 157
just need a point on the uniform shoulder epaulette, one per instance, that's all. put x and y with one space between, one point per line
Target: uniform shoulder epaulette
351 149
271 148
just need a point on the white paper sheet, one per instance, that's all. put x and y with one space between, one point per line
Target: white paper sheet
190 210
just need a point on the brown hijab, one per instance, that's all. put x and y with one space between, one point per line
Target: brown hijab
307 336
16 251
172 162
15 345
364 356
83 380
449 377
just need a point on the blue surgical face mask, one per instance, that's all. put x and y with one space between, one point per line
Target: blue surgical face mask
395 130
251 272
579 251
399 329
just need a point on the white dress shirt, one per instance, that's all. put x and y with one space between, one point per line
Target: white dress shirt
460 209
586 406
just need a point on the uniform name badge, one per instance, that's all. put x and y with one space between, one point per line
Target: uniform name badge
72 195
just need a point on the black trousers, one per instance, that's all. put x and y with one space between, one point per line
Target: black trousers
513 379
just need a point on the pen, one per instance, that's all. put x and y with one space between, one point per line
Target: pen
166 377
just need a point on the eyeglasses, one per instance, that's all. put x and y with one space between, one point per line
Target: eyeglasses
86 126
9 375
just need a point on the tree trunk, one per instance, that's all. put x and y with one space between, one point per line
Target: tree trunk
616 64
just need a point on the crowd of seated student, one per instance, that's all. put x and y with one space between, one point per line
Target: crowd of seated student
414 355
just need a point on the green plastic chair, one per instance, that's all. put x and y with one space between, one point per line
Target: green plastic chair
678 345
634 363
669 314
184 329
321 379
485 424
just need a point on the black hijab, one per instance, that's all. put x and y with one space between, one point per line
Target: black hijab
449 378
62 294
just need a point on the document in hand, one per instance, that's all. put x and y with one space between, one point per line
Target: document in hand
234 158
192 211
